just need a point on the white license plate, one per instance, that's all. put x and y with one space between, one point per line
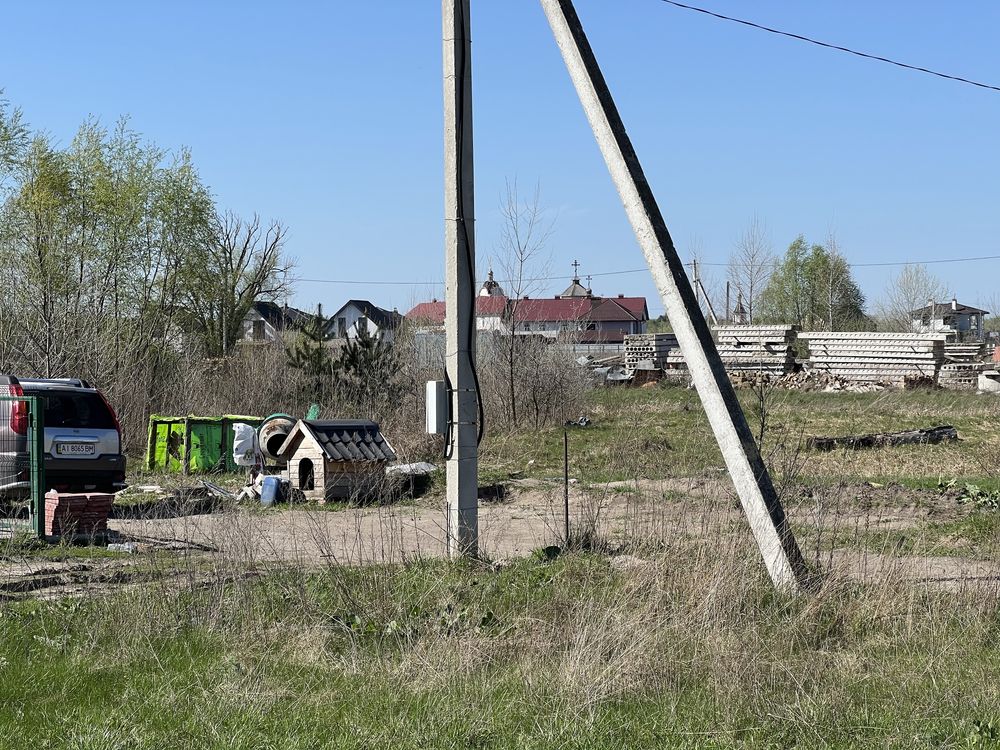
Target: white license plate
75 449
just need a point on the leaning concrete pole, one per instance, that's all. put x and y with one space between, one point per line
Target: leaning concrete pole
460 274
753 483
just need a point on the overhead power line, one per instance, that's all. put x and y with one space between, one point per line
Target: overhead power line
886 264
894 262
837 47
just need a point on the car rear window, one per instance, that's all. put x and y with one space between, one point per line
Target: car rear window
79 410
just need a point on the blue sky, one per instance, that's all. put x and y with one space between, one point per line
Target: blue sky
327 116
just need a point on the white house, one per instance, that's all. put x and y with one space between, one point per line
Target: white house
963 322
268 321
358 314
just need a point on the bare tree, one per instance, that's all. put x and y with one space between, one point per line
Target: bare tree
244 262
520 248
751 264
907 291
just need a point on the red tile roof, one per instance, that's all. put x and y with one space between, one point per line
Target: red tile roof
433 312
537 310
582 308
607 309
613 310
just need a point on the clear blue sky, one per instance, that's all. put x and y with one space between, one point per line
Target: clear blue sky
327 116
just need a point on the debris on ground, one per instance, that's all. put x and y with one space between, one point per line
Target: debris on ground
989 381
880 439
411 479
418 469
145 489
806 380
583 421
218 491
918 382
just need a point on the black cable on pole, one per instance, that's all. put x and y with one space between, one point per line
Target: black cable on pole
837 47
461 75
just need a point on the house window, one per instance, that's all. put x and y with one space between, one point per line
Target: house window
527 326
362 325
341 327
258 330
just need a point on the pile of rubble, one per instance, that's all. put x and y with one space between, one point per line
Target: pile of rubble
805 380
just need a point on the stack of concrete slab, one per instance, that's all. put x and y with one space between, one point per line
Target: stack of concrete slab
880 357
768 349
645 351
962 366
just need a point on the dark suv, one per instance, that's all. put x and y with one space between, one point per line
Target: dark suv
83 444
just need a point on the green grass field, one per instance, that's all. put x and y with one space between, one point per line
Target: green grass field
663 432
680 644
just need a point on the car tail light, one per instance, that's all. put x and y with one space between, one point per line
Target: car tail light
18 411
114 415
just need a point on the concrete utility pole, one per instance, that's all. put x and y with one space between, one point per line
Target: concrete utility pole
460 275
753 483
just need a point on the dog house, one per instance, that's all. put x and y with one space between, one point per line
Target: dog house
336 459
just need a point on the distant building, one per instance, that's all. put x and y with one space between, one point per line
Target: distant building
268 321
491 287
963 322
590 319
360 314
740 316
576 312
428 316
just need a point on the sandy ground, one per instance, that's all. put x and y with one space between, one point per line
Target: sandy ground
664 512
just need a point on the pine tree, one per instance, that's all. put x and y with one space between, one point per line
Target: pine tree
365 373
311 355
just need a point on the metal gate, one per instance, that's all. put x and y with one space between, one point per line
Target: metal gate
22 466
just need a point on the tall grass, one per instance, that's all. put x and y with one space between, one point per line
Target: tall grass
680 649
342 628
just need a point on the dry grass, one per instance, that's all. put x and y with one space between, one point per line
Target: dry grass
274 635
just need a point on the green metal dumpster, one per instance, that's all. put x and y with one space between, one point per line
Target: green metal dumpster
193 444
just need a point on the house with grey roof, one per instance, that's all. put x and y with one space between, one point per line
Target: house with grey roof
269 321
360 314
959 322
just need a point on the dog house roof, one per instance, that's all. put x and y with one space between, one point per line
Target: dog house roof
348 439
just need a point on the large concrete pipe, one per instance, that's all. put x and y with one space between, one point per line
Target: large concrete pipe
272 434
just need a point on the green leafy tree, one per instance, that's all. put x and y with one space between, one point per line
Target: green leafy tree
311 355
812 287
93 239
